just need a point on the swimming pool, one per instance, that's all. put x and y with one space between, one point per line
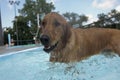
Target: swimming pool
33 64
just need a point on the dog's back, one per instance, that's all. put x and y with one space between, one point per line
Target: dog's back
99 39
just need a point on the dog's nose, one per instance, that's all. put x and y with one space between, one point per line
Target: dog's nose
44 39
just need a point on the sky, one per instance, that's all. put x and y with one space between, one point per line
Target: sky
90 8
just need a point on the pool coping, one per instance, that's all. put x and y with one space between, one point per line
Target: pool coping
15 52
4 51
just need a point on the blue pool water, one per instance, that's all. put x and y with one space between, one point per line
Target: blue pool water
33 64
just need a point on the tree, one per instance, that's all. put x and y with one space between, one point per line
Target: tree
109 19
28 14
74 18
32 8
71 17
23 30
82 19
102 18
115 16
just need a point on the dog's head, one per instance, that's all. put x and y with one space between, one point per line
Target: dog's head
55 31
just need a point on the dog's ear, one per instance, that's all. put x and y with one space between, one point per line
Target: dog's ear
66 33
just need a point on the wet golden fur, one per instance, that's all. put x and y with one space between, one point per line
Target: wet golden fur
77 44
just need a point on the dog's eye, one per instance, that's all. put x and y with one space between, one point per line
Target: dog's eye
43 23
56 23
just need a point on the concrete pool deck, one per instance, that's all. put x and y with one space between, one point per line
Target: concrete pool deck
6 49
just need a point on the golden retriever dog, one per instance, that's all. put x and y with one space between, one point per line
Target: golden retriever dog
68 44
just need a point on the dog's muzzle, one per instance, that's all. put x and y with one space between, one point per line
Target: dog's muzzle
45 40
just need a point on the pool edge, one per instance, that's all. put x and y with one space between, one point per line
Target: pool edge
15 52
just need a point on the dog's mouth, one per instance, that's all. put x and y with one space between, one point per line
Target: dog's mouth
48 48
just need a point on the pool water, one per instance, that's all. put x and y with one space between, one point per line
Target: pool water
33 64
22 65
